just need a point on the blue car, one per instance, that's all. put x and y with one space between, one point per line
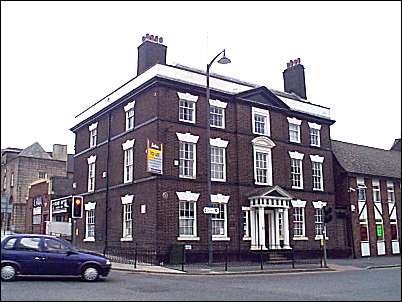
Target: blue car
29 254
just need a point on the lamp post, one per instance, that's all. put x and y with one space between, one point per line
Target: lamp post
223 60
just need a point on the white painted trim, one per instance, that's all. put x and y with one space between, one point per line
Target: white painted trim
360 181
298 203
263 142
295 121
296 238
187 97
126 239
93 126
319 237
390 184
296 155
89 239
267 150
187 137
126 199
314 126
319 204
91 159
218 142
219 198
218 103
90 206
128 144
375 182
245 208
184 238
217 238
129 106
187 196
260 111
317 158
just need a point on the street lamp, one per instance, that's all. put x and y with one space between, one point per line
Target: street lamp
223 60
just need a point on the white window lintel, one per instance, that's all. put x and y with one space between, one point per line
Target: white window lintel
187 137
314 126
298 203
317 158
218 103
90 206
129 106
91 159
319 204
127 199
128 144
187 97
218 142
296 155
187 196
219 198
93 126
295 121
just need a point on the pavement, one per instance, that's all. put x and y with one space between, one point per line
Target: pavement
365 263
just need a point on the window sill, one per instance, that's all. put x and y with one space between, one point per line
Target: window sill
126 239
263 184
300 238
263 134
187 177
297 188
319 237
294 142
220 238
128 181
89 239
185 121
319 190
218 180
188 238
217 127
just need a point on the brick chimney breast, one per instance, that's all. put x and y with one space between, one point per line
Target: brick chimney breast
150 52
293 78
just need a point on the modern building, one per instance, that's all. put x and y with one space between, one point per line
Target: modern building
368 188
48 201
141 163
21 167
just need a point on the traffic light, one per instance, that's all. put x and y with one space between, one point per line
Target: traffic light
327 214
77 206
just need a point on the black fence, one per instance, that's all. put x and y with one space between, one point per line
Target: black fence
186 257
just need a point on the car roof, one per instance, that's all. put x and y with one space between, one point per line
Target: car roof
31 235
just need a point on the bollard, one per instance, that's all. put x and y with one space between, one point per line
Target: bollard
182 258
135 256
262 267
226 258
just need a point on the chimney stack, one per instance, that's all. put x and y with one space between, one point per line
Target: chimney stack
59 152
150 52
293 78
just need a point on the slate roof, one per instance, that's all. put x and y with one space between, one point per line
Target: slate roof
396 146
367 160
35 150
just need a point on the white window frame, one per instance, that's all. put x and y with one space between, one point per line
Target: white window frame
263 144
128 166
188 196
300 206
220 106
191 140
189 99
91 173
315 131
297 123
129 109
317 160
377 202
246 224
265 114
222 201
221 145
127 202
90 220
296 157
12 180
93 134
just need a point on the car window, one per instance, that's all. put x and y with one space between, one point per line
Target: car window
9 245
55 246
29 244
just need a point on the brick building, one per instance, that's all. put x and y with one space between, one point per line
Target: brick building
271 163
41 193
21 167
368 187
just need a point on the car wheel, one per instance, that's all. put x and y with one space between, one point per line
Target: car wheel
90 273
8 272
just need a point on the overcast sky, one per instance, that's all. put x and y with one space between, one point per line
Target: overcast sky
59 58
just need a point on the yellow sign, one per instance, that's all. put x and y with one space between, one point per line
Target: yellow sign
154 157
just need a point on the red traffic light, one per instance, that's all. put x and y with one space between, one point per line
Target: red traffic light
77 207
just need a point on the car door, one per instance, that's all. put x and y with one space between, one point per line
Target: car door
56 259
28 255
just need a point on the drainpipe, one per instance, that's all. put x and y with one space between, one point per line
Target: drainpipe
107 183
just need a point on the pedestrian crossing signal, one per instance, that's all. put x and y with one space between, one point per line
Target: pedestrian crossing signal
77 207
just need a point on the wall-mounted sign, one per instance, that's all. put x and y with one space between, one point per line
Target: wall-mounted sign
154 157
379 231
61 205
